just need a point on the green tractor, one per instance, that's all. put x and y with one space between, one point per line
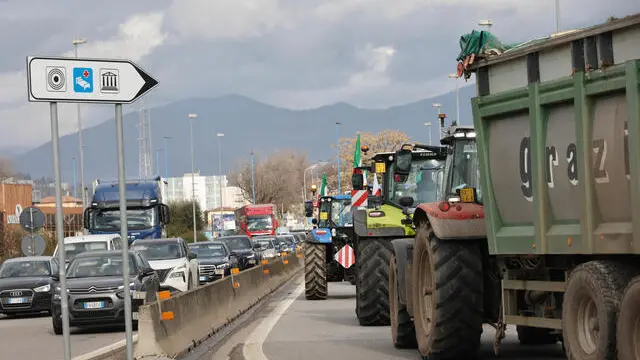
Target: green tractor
408 178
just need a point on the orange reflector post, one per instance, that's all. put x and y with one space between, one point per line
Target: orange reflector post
283 254
299 256
265 261
167 315
236 284
285 261
235 271
163 295
265 271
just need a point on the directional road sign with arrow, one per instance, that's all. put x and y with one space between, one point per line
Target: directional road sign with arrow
106 81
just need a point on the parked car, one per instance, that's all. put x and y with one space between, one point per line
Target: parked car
176 265
267 246
215 260
26 284
95 288
242 247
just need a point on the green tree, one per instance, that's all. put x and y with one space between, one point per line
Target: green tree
182 220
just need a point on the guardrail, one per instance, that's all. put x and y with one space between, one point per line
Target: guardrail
173 326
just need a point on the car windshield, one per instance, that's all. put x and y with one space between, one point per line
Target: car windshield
262 222
466 168
208 250
265 243
160 250
72 250
25 268
137 219
337 212
421 184
287 240
237 243
95 266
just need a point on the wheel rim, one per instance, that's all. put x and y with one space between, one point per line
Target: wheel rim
426 292
588 326
635 335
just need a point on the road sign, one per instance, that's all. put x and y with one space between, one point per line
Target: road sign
33 245
345 256
58 79
31 219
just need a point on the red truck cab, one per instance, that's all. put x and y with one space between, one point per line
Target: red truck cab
258 219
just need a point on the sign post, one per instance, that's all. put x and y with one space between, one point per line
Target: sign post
100 81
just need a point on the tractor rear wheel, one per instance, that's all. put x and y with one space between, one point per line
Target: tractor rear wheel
447 296
315 271
372 284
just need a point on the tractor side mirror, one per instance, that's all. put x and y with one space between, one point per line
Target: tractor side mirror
165 214
88 213
308 208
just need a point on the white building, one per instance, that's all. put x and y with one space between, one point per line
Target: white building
207 191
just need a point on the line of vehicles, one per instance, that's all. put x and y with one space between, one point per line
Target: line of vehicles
529 218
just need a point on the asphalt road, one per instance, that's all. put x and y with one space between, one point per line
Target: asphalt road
289 327
32 338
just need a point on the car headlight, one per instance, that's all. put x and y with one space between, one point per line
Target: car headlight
181 267
131 286
43 288
177 274
224 266
251 256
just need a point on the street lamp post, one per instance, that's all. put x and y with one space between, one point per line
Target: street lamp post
455 76
440 124
338 154
253 184
75 183
488 23
75 43
304 176
220 135
428 125
193 178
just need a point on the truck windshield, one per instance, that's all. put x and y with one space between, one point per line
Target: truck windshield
338 213
465 169
421 184
262 222
136 219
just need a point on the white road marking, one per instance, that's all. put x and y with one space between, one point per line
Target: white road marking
252 349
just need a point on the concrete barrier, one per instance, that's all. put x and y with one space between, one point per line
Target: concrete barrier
202 312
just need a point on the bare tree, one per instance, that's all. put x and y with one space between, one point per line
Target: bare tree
278 179
6 169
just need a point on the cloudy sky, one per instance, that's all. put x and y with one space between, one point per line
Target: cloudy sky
289 53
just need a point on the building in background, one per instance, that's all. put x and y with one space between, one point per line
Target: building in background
207 191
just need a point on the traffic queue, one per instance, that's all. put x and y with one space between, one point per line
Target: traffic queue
94 273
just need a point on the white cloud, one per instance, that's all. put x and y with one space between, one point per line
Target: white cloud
228 19
377 62
137 37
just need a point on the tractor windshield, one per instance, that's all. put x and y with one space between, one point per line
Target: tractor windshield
465 167
335 213
422 183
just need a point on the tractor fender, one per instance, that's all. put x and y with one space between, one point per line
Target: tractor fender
463 221
360 222
319 236
403 251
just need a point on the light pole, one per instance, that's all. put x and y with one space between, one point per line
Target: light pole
455 76
338 154
193 178
75 183
166 157
488 23
75 43
220 135
253 184
428 125
557 16
440 124
304 176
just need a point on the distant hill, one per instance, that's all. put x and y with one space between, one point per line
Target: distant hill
246 124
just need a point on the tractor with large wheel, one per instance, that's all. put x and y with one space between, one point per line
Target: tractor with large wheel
328 249
538 224
388 217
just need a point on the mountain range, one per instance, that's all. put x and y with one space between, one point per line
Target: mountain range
246 124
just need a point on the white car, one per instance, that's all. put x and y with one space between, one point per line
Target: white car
175 264
267 248
75 245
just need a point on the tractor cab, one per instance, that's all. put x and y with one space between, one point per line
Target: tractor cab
461 181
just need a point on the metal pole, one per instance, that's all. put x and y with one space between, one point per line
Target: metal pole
75 181
166 161
80 146
557 16
253 183
193 184
338 155
220 172
429 134
124 234
457 102
64 305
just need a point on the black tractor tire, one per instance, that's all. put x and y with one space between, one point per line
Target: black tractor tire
315 272
592 300
403 333
372 285
448 323
529 335
628 332
335 271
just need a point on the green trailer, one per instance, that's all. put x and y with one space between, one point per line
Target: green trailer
557 124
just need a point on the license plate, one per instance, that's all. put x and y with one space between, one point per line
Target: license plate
16 301
139 295
203 278
467 195
252 261
94 305
219 271
136 315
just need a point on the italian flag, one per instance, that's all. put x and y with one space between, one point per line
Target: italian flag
376 189
357 158
323 187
